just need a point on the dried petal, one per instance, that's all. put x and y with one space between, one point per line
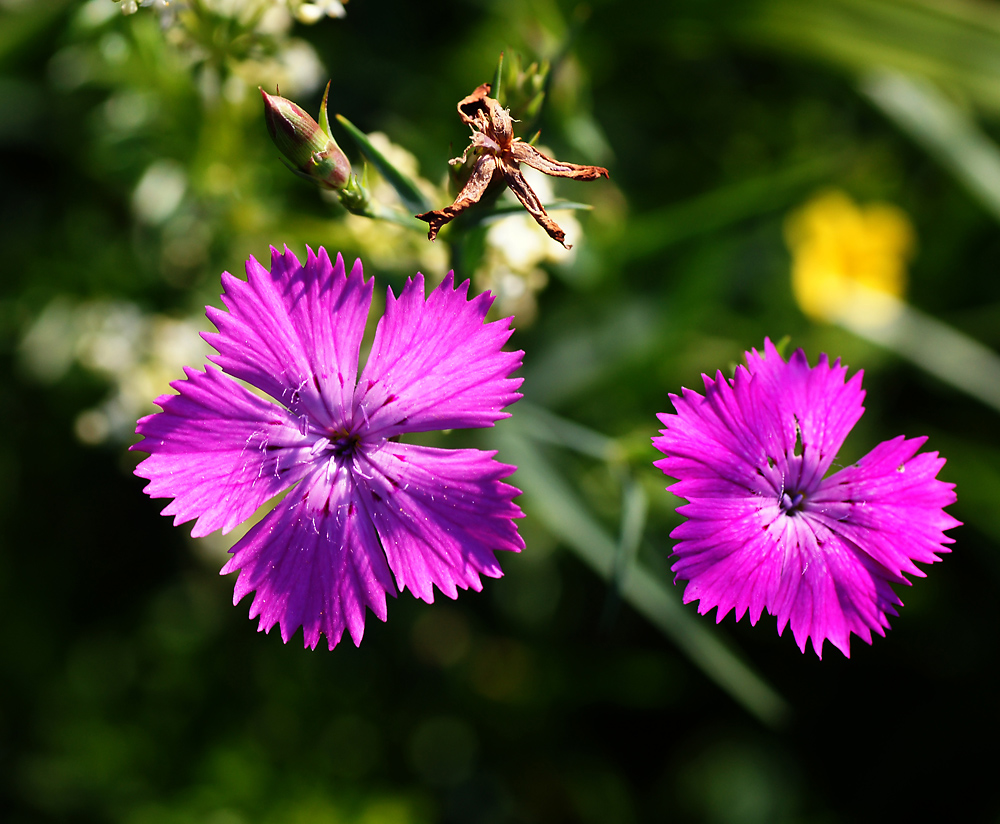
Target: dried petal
524 153
523 192
493 137
482 174
469 107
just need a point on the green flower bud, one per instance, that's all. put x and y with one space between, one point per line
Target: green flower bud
310 149
524 88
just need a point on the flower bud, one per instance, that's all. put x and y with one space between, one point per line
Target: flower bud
524 89
310 149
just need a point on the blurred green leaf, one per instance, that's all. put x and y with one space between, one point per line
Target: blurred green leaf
938 349
551 499
946 132
22 23
953 43
324 114
652 232
497 77
548 428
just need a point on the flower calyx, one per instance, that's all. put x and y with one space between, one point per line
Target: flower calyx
500 156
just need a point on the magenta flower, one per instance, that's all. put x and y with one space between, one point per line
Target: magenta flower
361 507
766 530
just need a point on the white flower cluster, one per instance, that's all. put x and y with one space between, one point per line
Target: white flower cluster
197 28
132 6
305 11
137 353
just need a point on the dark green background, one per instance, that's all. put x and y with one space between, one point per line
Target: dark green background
134 692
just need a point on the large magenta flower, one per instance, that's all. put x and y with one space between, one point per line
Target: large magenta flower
766 530
361 507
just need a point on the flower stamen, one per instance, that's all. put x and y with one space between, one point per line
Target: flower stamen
792 502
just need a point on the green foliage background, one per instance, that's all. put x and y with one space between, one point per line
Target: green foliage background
134 691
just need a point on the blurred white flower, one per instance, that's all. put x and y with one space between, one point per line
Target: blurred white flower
310 13
109 336
266 12
132 6
46 350
138 354
266 54
91 14
128 110
159 192
295 68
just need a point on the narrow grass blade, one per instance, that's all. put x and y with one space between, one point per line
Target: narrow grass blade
942 129
407 190
554 503
939 349
497 77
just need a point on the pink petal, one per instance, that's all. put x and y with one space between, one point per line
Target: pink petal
817 398
796 569
435 364
715 439
295 332
441 514
315 562
722 551
830 588
890 504
219 451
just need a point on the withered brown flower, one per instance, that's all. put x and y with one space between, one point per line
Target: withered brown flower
501 154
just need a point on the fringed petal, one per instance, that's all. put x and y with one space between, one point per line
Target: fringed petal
295 331
441 514
314 561
435 364
219 451
766 532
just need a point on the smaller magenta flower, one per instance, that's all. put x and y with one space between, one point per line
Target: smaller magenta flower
363 514
767 529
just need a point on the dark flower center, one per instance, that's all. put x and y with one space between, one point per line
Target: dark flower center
344 446
792 502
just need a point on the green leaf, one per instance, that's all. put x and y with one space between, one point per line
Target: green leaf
546 427
324 118
943 129
953 44
635 506
407 190
356 198
554 503
497 76
948 354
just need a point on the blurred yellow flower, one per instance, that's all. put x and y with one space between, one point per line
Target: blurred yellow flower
849 261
